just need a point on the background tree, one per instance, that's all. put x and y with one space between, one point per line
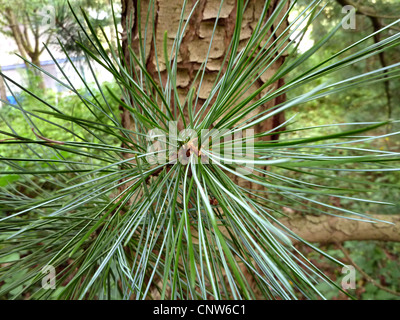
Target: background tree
193 53
34 25
22 21
69 32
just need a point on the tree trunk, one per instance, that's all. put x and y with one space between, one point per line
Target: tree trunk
195 46
39 80
330 229
3 94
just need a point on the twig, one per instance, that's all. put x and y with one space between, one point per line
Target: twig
46 139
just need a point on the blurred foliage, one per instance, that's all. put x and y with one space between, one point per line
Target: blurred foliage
369 103
10 117
69 33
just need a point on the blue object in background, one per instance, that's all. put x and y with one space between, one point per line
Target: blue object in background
11 100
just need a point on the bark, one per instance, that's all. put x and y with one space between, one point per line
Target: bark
329 229
377 25
193 51
195 44
17 34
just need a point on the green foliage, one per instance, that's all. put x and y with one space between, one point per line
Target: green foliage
69 103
